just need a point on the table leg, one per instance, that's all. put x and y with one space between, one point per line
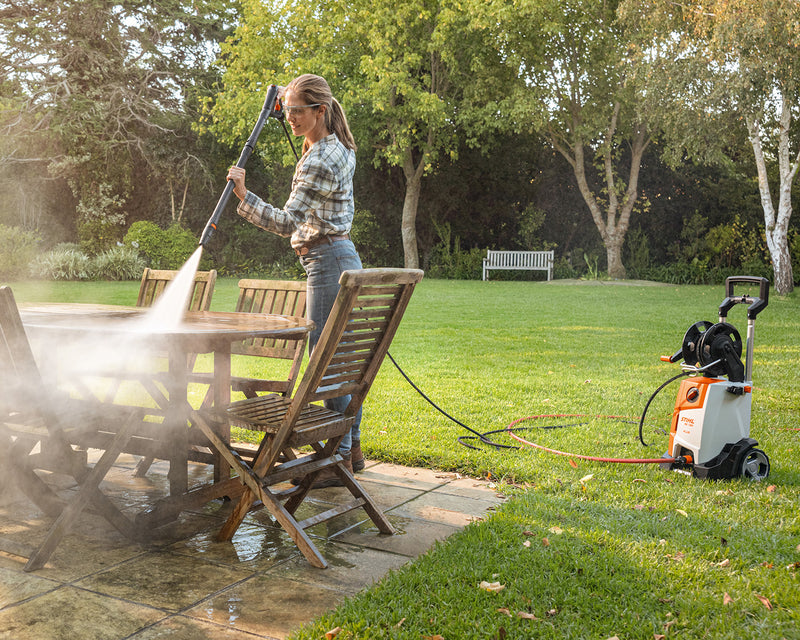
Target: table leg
176 422
222 398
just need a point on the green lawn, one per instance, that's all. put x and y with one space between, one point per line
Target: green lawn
631 551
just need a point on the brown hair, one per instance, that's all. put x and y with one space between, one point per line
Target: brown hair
315 90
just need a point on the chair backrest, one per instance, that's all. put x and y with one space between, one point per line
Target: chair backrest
21 379
355 339
154 281
281 297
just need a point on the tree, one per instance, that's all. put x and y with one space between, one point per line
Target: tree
94 81
567 78
386 62
720 67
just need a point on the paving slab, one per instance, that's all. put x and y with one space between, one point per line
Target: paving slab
183 584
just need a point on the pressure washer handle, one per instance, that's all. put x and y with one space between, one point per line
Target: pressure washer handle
271 107
757 305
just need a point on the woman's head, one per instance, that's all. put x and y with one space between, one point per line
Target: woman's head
314 90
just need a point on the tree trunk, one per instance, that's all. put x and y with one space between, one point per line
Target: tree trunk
777 225
617 216
408 227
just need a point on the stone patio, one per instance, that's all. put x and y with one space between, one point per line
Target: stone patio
185 585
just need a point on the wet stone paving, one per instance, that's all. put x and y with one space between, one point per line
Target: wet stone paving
183 584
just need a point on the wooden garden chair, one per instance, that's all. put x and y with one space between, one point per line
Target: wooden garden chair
32 414
154 281
345 361
279 297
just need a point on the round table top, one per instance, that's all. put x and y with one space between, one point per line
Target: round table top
196 326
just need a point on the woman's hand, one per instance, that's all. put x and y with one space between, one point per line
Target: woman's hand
236 174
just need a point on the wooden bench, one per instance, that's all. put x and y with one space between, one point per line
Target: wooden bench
525 260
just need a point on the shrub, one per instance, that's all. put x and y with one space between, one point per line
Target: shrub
367 236
161 248
252 251
64 262
18 248
119 263
100 219
457 264
698 272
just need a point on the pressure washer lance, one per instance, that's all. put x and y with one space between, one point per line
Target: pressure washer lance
272 108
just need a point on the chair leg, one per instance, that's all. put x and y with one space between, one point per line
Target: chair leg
89 491
253 490
295 531
14 456
143 466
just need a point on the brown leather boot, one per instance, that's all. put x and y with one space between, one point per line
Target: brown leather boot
357 457
328 478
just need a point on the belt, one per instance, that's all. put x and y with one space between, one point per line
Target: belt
303 249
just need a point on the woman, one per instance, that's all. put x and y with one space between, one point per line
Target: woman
317 216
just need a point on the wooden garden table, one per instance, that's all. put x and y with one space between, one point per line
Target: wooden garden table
107 329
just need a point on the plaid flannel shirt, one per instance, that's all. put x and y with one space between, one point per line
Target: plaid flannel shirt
321 202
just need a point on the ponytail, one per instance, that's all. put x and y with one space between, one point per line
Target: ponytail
337 123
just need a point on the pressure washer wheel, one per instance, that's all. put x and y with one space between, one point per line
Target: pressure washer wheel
755 465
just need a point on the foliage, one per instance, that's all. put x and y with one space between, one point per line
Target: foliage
65 262
117 263
250 251
95 86
795 249
69 262
717 71
708 256
455 263
531 222
637 248
566 72
18 248
368 238
100 218
162 248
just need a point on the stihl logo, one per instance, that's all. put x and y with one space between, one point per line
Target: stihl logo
687 422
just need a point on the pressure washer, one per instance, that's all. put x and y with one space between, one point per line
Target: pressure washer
710 430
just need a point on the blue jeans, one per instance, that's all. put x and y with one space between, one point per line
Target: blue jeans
323 265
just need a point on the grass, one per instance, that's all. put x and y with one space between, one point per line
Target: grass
631 551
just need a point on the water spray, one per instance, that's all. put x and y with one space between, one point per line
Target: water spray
272 108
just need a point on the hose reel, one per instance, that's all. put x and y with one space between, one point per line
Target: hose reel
714 348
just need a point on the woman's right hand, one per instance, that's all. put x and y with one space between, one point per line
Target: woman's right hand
236 174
